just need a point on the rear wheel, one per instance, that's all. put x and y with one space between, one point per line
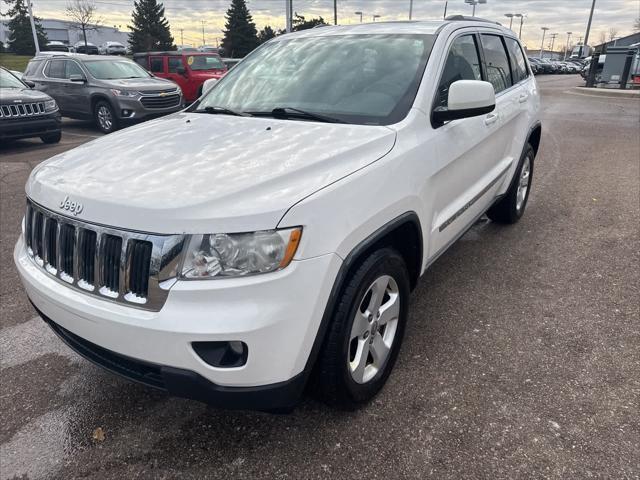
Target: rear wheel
511 207
366 331
51 137
105 117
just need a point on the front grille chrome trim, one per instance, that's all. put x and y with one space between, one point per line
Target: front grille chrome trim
165 257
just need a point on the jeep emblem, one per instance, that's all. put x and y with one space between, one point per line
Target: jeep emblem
73 207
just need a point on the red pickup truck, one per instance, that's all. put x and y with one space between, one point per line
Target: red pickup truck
188 69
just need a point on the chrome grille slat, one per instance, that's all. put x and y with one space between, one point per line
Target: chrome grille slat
122 266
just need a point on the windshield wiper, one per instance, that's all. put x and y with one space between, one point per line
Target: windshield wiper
290 112
223 111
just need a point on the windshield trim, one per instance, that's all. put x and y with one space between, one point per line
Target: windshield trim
400 111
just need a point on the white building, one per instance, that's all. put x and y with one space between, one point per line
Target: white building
63 31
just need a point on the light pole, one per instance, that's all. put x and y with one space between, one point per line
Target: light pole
288 7
33 30
375 16
566 50
335 12
446 4
474 3
544 31
553 41
586 35
521 15
410 9
360 14
203 42
510 17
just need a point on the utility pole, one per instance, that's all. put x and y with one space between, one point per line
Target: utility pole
335 12
566 50
446 4
33 29
182 37
586 35
553 40
360 15
410 9
544 31
203 42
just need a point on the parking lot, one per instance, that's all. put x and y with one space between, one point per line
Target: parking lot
521 357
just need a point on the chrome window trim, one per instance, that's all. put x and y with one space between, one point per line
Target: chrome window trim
166 256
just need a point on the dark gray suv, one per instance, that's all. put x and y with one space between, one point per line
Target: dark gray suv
110 90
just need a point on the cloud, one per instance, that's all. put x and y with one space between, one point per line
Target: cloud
559 16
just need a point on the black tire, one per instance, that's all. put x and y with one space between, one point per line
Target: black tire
51 137
506 210
333 381
105 125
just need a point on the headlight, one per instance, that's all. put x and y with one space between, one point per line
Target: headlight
240 254
50 106
124 93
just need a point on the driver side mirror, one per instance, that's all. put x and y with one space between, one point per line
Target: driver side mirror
77 78
467 98
29 83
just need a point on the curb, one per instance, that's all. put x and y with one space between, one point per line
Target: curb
607 92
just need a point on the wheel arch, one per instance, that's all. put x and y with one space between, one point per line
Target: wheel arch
97 97
534 137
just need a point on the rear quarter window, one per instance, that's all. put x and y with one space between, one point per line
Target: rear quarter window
520 69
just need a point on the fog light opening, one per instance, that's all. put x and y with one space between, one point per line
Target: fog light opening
231 354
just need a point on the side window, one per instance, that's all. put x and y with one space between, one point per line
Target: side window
56 69
73 69
174 64
497 63
518 62
156 64
462 63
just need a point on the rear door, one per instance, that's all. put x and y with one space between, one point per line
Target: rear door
76 93
53 81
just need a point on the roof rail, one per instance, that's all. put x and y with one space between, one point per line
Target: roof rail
459 18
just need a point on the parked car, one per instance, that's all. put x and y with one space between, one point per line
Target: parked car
584 73
208 49
542 66
56 46
112 91
189 70
26 113
231 62
112 48
273 231
88 48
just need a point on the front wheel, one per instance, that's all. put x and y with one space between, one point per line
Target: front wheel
105 117
511 207
366 332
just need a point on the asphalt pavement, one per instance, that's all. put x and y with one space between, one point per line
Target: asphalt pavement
521 357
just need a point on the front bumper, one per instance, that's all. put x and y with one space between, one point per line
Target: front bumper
276 315
135 110
27 127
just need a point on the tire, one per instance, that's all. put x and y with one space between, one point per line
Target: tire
344 377
105 117
511 207
51 137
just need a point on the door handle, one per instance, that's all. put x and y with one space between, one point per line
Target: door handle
490 119
523 98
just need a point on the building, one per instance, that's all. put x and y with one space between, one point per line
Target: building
63 31
619 42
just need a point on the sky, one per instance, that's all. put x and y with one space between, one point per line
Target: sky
561 16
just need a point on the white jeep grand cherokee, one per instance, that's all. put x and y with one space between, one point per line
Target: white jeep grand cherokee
271 233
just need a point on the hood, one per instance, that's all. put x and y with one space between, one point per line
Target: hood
199 173
150 83
10 95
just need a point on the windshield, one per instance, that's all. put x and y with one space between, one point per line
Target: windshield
108 70
7 80
204 62
364 79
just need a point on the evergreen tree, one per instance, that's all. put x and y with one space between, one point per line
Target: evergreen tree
266 34
150 30
240 34
20 36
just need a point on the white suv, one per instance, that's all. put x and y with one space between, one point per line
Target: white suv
271 233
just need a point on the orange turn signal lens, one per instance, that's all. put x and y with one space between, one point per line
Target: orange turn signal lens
292 246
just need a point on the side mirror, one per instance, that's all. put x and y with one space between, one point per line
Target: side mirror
181 71
208 85
77 78
467 98
29 83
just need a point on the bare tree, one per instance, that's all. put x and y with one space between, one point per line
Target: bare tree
613 33
603 37
83 17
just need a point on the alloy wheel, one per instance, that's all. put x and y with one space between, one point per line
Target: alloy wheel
104 118
523 183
